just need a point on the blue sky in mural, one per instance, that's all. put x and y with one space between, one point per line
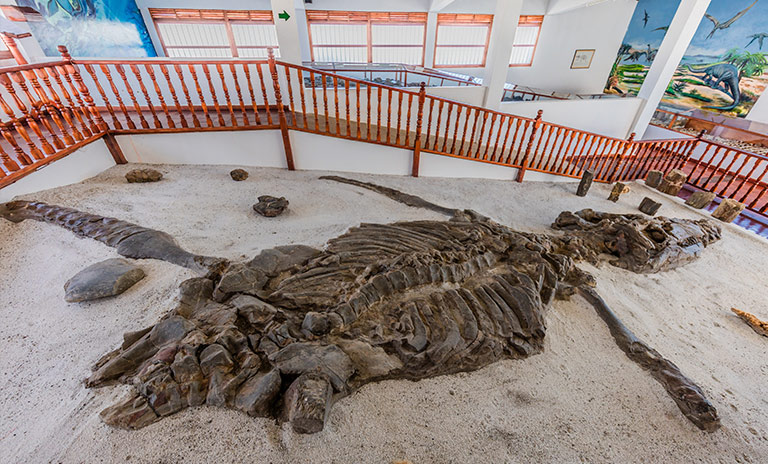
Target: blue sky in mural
754 21
641 33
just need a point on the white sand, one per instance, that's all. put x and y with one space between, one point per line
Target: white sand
582 400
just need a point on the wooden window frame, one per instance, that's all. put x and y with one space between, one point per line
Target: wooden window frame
368 19
464 20
529 21
205 16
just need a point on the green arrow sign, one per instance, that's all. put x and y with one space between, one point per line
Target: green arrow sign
284 15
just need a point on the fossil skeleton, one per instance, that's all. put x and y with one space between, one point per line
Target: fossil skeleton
295 329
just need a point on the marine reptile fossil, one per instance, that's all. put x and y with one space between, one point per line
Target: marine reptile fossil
295 329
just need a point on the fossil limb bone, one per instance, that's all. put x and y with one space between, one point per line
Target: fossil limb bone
757 325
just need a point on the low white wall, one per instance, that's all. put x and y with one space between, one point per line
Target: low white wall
612 117
242 148
432 165
79 165
660 133
471 95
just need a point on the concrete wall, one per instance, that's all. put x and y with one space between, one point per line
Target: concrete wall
612 117
79 165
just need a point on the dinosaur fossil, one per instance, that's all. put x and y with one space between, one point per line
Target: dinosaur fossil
726 24
295 329
721 73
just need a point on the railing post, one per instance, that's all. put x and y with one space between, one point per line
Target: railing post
71 68
524 163
417 142
693 146
618 169
280 110
114 148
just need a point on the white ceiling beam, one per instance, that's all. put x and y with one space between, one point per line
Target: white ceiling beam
438 5
564 6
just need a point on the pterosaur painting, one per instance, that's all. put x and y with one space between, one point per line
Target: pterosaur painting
726 24
759 37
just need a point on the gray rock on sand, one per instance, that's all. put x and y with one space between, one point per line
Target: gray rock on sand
649 206
143 175
106 278
270 206
239 174
586 182
653 179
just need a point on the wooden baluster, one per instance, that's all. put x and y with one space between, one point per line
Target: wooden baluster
368 113
314 102
605 172
264 93
185 90
568 134
508 120
71 68
357 106
378 115
45 104
239 92
408 121
34 112
557 164
304 104
533 159
437 125
456 129
290 97
498 136
280 110
54 101
524 165
583 156
159 93
447 126
573 157
464 131
548 166
417 140
110 109
174 97
336 103
216 106
208 120
474 131
227 97
61 72
389 115
748 179
480 136
736 155
399 116
705 165
254 105
429 123
9 163
346 99
73 107
121 72
521 141
116 93
716 171
636 159
755 183
137 72
18 124
620 160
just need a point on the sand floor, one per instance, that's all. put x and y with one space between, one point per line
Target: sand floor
582 400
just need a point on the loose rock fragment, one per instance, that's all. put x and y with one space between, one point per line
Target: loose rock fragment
617 191
239 174
586 182
700 199
143 175
673 182
649 206
728 210
653 179
269 206
307 402
757 325
107 278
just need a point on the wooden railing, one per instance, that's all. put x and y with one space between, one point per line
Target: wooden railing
54 108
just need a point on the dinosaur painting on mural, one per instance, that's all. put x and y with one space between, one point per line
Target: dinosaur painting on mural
296 328
721 73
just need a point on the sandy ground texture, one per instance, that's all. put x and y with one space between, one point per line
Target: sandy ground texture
581 400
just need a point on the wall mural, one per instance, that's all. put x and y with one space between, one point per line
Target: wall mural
724 68
90 28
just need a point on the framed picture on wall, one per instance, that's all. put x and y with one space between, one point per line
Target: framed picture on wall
582 59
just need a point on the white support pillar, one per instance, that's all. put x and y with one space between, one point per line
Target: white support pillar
505 19
431 37
687 18
287 30
759 112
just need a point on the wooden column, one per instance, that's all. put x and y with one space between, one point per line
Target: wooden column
417 142
524 163
9 39
280 110
114 148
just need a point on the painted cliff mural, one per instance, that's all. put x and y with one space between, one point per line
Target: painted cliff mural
724 68
90 28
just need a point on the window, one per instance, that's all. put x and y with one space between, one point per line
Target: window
462 40
367 37
526 38
215 33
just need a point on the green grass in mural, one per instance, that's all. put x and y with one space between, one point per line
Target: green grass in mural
632 68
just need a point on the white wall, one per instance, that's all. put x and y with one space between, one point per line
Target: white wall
759 112
612 117
471 95
79 165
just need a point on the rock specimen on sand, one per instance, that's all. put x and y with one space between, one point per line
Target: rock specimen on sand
269 206
143 175
295 329
653 178
700 199
639 243
617 190
586 182
239 174
757 325
649 206
106 278
673 182
728 210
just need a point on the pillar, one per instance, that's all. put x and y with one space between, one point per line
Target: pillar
431 37
687 18
505 20
287 30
